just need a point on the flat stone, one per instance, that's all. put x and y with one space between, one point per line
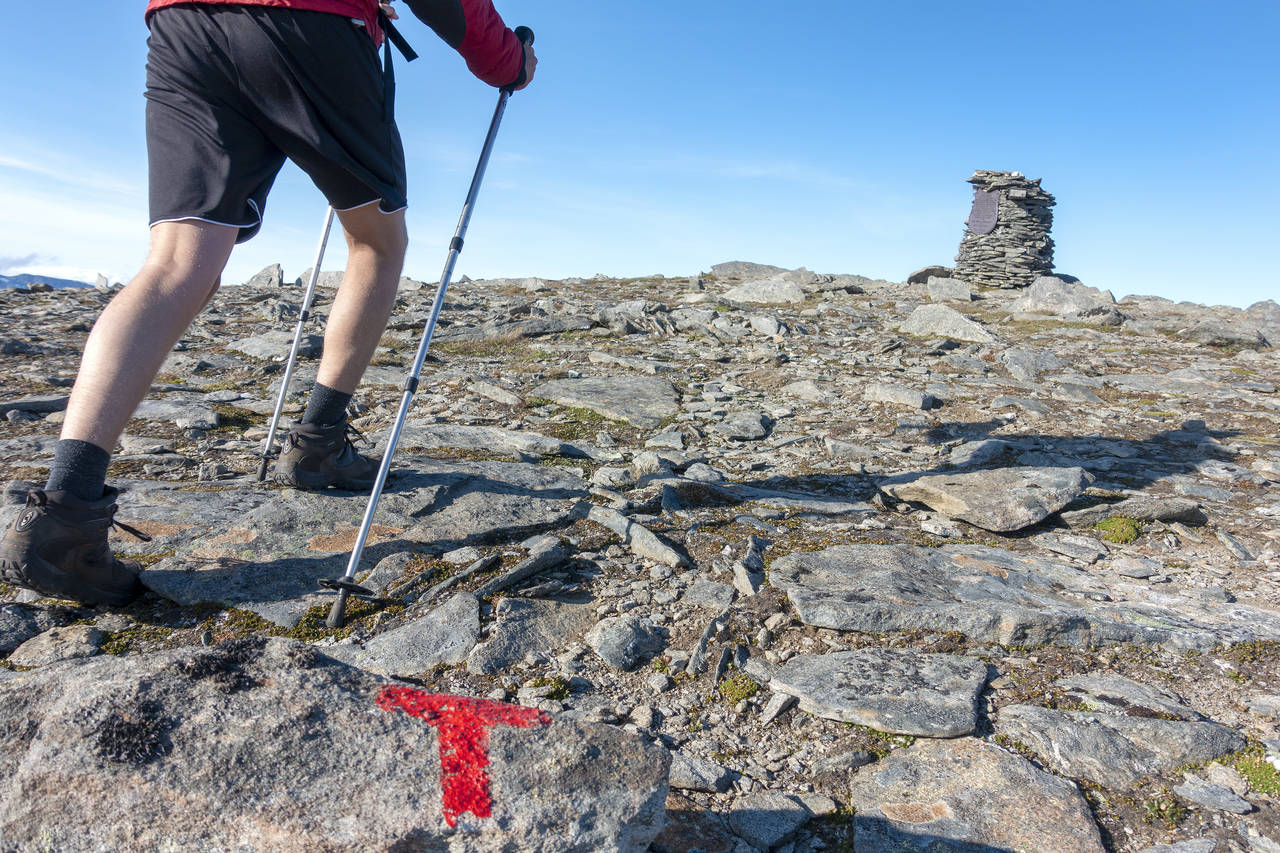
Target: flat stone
1085 549
639 539
1001 500
1114 751
966 795
769 291
807 389
1052 295
944 289
624 641
192 749
695 774
1138 568
1143 508
1198 845
1108 692
709 594
1212 796
743 426
58 644
41 405
899 395
446 635
939 321
1027 364
274 346
528 625
420 435
1266 706
19 623
900 691
767 820
922 275
640 400
181 415
991 595
844 762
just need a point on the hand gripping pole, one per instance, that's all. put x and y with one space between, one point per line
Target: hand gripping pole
346 585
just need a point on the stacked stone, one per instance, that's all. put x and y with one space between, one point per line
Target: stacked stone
1020 248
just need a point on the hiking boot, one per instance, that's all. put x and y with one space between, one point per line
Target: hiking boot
58 547
316 456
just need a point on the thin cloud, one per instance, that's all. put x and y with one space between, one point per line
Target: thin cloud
7 264
72 174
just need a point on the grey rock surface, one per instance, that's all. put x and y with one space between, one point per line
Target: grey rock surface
200 750
769 291
767 820
1114 750
524 627
931 321
624 641
58 644
18 624
890 690
1002 500
992 595
640 400
445 635
1109 692
1212 796
695 774
966 795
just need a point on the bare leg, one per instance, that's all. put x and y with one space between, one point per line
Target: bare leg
376 243
141 324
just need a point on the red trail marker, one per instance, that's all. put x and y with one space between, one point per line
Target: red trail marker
463 727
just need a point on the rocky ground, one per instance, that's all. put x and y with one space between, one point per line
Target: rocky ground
868 565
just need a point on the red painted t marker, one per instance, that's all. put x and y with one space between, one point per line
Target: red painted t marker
462 725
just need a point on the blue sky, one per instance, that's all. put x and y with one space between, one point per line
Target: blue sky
666 137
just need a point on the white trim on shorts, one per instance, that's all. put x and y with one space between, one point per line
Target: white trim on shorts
377 201
255 224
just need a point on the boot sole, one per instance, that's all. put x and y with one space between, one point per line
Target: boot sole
318 482
48 579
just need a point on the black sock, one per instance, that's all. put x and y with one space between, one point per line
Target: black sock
79 468
326 406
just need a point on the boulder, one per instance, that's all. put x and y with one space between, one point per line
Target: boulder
268 745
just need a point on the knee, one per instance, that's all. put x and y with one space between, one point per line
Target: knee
386 238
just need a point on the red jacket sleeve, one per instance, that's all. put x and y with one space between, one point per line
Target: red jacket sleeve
476 30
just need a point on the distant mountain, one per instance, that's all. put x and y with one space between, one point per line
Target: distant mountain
25 280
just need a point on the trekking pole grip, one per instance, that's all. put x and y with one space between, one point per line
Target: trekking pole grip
524 34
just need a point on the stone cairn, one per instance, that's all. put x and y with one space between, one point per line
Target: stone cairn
1019 248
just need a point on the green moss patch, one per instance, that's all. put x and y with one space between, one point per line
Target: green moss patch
1120 530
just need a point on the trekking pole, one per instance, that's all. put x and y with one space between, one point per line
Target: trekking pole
346 585
305 314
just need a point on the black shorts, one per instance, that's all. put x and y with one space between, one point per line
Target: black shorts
234 90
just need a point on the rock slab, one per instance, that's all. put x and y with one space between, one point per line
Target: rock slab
1001 500
268 745
900 691
967 795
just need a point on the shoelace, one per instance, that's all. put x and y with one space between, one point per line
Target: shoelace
132 531
36 498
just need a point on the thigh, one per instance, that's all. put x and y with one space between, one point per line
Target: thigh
207 159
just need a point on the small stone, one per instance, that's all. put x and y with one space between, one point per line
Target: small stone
1212 796
59 644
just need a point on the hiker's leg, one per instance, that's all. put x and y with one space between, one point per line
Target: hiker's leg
376 243
139 327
